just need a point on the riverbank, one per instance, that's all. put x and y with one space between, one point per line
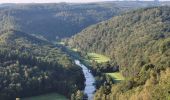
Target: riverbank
96 63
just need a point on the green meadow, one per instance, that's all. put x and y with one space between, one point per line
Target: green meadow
60 43
51 96
97 57
117 76
74 49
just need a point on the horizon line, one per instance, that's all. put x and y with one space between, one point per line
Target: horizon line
82 2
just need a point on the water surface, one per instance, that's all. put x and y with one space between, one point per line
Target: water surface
90 80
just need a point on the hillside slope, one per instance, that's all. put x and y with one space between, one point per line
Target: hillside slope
31 66
139 41
132 39
55 21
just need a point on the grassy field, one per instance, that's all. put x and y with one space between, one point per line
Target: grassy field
97 57
117 76
74 49
51 96
61 43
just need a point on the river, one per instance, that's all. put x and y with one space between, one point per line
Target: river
90 80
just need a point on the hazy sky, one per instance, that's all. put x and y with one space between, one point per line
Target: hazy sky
48 1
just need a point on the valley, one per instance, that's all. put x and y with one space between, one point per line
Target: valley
91 77
116 50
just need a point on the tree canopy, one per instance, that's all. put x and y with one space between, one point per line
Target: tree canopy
31 66
55 21
139 42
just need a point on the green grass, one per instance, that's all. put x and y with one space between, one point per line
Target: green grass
117 76
61 43
97 57
51 96
74 49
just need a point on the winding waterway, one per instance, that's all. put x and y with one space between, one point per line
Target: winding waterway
90 80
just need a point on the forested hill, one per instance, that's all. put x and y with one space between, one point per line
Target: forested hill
129 38
31 66
62 19
139 41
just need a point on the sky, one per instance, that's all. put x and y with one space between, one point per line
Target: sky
50 1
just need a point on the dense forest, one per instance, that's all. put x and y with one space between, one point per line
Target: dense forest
135 35
55 21
31 66
139 42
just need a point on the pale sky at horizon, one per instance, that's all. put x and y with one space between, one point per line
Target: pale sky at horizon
52 1
49 1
